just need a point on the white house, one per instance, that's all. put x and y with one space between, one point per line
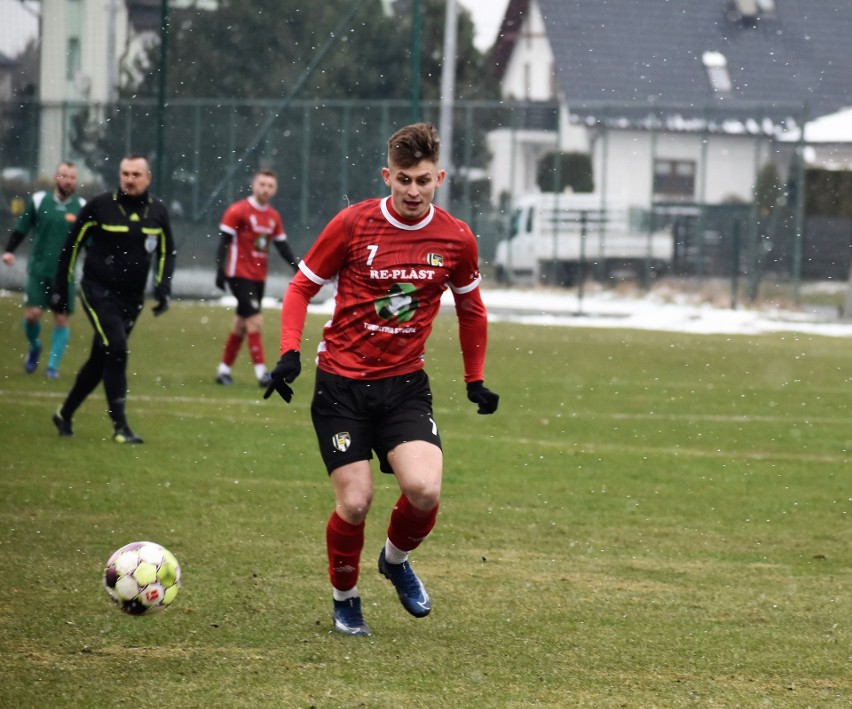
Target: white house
674 102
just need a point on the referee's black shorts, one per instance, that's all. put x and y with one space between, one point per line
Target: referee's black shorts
353 417
249 295
112 314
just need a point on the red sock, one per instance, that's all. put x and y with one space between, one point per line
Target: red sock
410 526
232 347
344 542
255 345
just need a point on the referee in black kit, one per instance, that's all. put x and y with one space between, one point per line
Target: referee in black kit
124 233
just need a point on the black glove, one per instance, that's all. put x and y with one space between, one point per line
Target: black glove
58 301
162 305
485 398
220 280
287 369
161 294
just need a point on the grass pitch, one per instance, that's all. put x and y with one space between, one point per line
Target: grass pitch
649 520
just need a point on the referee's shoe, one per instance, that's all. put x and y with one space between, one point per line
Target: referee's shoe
411 591
63 426
123 434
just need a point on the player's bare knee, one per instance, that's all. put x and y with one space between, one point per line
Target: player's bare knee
354 508
426 496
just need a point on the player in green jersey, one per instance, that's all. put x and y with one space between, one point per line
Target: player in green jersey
49 215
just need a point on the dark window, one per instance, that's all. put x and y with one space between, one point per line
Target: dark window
73 60
674 178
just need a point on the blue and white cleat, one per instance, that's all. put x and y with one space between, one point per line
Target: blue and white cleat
348 619
411 591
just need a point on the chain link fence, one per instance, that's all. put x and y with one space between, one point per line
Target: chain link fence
329 154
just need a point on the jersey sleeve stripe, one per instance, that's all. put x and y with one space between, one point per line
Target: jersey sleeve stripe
473 285
319 280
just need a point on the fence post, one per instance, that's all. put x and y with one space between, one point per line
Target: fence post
735 263
798 236
581 265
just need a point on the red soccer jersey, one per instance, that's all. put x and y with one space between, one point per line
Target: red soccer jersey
252 228
389 275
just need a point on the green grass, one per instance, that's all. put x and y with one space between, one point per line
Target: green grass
649 520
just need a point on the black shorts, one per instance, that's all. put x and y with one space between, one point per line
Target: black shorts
353 417
111 313
249 295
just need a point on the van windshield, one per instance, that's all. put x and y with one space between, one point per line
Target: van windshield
515 226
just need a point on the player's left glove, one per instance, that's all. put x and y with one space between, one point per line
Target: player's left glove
162 297
288 368
58 300
485 398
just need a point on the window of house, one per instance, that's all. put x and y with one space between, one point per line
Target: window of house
674 178
74 59
717 71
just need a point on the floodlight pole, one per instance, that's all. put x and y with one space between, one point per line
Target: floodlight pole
417 13
111 61
161 96
448 84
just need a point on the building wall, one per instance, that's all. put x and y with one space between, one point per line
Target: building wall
529 72
82 43
623 162
725 169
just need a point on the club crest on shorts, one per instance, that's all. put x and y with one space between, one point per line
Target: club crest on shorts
435 260
342 441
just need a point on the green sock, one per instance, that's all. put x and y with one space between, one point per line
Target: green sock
32 330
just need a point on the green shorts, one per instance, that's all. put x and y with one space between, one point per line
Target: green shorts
37 294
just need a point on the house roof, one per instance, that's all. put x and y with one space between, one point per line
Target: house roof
832 128
644 53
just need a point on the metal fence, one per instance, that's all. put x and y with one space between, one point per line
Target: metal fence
328 154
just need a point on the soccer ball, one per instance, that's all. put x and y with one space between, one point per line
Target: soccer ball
142 578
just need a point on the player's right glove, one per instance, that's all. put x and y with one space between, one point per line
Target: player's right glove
287 369
161 295
220 279
485 398
162 305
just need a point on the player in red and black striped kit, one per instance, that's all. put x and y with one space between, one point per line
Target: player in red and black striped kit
391 260
247 230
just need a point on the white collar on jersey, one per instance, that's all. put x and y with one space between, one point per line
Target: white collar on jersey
401 225
253 203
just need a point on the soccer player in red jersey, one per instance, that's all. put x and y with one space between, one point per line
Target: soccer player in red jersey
391 259
247 229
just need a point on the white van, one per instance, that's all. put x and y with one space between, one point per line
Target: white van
558 239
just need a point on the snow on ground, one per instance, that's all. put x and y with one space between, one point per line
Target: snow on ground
604 309
608 309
